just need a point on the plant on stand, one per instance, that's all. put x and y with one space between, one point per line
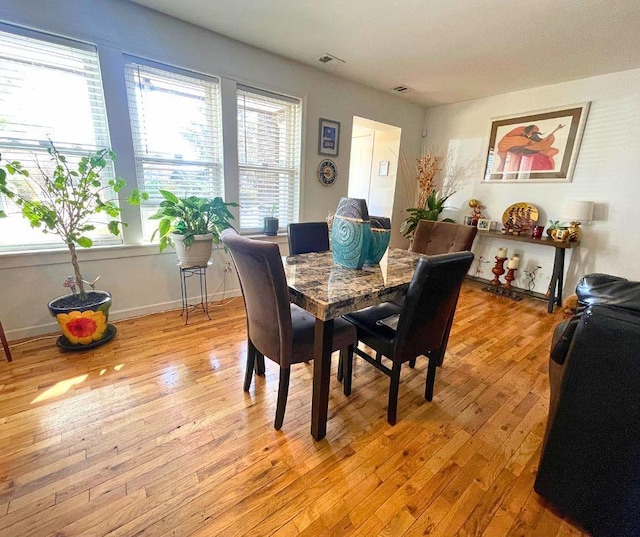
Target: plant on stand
191 225
429 201
66 199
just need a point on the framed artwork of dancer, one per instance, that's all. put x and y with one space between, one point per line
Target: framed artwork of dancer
537 146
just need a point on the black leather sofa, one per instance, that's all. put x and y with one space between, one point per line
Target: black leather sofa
590 463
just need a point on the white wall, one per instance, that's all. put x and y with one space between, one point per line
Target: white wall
607 172
371 143
140 279
382 187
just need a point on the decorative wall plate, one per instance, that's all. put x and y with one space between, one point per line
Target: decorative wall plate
519 217
327 172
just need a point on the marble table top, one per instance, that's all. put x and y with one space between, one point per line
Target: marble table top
327 290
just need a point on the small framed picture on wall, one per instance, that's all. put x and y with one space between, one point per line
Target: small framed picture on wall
329 137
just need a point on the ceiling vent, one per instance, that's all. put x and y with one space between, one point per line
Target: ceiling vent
401 89
328 59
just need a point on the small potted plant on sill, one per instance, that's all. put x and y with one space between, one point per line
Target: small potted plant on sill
271 223
68 198
192 226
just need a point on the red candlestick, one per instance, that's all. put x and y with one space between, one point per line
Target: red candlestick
510 277
498 270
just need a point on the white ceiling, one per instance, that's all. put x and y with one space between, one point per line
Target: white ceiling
444 50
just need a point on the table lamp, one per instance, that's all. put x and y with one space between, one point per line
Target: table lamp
577 212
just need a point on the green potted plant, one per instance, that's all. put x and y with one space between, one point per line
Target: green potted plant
271 223
191 225
554 227
434 204
69 196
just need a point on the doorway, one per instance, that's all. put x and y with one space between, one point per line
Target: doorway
374 164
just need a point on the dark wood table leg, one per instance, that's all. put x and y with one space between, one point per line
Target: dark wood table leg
557 278
560 262
321 377
5 344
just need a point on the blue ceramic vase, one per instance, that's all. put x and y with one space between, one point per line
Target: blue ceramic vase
351 234
380 236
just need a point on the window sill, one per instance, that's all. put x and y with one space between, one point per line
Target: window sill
280 238
59 256
10 260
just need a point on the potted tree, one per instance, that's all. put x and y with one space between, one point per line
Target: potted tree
69 196
192 226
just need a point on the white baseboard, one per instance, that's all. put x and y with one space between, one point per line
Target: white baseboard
116 315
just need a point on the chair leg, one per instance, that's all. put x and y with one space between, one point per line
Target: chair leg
392 407
5 344
251 360
340 372
431 379
347 368
260 369
283 392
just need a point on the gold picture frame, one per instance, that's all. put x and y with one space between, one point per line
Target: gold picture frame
539 146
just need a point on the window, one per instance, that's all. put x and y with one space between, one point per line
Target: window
176 128
50 88
269 132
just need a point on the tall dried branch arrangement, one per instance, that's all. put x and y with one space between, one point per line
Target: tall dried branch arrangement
427 167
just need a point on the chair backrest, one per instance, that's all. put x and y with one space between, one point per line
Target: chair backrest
266 295
431 301
432 238
308 237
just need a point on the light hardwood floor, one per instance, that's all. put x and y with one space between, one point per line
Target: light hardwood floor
153 435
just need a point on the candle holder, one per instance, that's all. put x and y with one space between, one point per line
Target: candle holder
498 270
506 291
532 278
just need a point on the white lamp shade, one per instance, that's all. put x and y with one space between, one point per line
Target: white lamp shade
578 211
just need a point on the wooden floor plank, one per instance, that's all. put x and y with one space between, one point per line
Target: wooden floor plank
153 435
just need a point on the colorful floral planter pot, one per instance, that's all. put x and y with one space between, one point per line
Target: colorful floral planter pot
84 323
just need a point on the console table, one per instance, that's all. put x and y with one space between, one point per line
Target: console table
554 291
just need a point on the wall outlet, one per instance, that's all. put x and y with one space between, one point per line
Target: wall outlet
227 266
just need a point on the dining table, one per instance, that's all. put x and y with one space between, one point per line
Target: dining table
328 290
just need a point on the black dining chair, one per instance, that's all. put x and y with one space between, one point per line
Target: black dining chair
276 328
308 237
418 327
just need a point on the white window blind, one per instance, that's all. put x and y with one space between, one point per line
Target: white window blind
177 133
269 133
50 88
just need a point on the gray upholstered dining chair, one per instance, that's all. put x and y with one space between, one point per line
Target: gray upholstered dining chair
418 327
432 238
276 328
305 237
